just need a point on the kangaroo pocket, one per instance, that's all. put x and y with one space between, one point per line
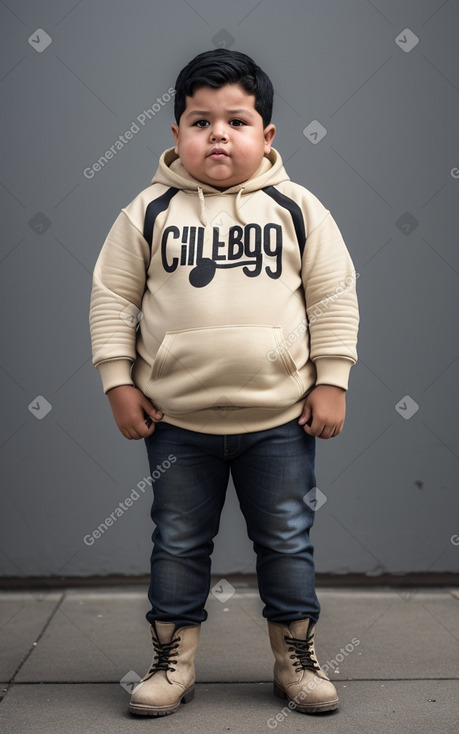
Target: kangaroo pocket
226 366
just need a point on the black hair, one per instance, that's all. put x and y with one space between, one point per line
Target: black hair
219 67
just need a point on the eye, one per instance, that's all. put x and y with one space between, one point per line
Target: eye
237 123
201 123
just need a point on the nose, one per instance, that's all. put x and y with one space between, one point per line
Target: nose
218 133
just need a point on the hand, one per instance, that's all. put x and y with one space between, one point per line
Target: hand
323 411
132 411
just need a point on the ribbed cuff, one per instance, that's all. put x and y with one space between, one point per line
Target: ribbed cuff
114 373
333 371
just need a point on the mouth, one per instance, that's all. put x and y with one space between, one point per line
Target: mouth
218 153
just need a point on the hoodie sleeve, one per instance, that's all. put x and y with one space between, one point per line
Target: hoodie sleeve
117 290
329 280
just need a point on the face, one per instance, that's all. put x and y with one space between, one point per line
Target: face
220 139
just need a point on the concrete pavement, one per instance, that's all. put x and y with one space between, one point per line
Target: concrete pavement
69 657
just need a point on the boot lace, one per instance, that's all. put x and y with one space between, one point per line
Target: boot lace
164 653
303 651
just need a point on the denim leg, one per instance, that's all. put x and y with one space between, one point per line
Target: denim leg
186 509
271 477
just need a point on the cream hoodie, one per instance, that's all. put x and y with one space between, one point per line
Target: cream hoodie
224 308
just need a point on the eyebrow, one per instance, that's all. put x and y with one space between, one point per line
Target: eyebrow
204 113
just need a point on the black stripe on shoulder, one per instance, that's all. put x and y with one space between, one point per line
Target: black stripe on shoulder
295 211
154 208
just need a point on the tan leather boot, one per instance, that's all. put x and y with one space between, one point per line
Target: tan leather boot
170 680
297 674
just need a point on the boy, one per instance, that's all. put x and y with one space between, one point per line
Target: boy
242 293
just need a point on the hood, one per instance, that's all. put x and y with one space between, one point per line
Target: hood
171 172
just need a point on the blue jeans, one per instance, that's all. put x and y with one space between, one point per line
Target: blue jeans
272 471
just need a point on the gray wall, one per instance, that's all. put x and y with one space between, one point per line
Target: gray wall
388 168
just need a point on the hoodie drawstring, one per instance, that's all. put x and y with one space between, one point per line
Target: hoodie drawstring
237 204
203 206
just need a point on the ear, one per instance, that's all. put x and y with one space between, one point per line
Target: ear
269 133
175 133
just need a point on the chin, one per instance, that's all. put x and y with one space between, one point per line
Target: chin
218 182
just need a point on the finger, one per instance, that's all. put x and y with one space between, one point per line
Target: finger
141 431
151 425
147 427
314 428
155 415
330 431
132 433
136 436
151 410
305 416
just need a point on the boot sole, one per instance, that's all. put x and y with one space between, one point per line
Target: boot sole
302 708
140 709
